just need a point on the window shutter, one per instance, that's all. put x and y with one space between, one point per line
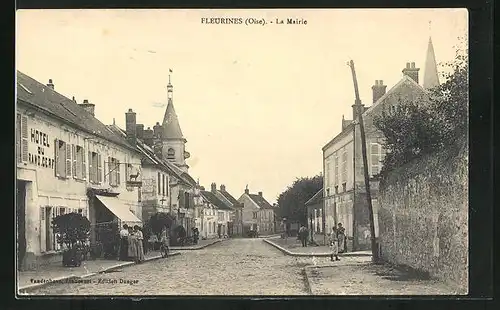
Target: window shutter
19 149
99 169
24 137
73 154
127 172
118 172
84 166
56 157
110 173
67 148
91 169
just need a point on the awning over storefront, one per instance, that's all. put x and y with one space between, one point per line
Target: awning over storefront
120 210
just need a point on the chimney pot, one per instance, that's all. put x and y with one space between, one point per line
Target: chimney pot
157 123
260 194
247 191
50 84
408 65
214 187
223 187
413 65
85 101
89 107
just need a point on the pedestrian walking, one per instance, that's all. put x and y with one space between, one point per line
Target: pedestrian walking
139 244
333 242
303 234
342 238
123 252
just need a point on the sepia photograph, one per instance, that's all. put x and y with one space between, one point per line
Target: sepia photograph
271 152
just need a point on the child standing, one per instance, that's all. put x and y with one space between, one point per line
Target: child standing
334 245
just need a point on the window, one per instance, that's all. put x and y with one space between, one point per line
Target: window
327 174
171 154
255 215
327 192
186 200
221 216
376 157
163 184
344 187
336 176
62 159
159 183
22 138
336 189
79 165
114 171
344 166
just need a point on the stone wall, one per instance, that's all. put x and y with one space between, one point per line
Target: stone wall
423 217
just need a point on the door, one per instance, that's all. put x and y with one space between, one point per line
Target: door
21 222
219 230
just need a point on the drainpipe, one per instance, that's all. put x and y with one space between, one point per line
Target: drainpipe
354 230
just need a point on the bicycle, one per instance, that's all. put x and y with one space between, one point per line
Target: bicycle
164 250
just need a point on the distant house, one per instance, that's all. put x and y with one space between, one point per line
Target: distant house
235 224
315 215
258 213
218 216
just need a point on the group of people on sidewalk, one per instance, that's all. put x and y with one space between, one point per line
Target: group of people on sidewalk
337 241
131 244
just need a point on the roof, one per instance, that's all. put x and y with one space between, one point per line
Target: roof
431 77
47 100
260 201
213 199
315 199
153 159
350 126
229 197
171 126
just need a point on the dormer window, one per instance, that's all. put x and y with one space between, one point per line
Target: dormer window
171 154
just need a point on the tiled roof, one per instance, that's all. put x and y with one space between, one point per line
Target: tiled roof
152 158
229 197
260 201
44 98
315 199
214 200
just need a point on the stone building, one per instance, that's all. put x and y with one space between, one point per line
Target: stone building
344 188
68 161
222 212
235 224
257 213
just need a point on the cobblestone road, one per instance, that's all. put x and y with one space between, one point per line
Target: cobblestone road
233 267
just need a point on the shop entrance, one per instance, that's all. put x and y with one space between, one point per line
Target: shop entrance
21 222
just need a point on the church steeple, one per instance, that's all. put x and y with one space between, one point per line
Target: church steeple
171 126
431 78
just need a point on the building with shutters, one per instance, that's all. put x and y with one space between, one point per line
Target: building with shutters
344 193
68 161
257 214
216 216
235 223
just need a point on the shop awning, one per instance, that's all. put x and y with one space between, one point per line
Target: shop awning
119 209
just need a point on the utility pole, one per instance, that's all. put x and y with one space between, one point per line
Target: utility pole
359 109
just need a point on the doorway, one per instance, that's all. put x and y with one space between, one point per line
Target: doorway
21 222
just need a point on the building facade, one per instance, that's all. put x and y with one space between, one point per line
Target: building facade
67 161
344 194
235 223
257 213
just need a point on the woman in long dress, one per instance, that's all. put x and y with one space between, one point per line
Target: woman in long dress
333 241
341 237
132 245
139 244
123 253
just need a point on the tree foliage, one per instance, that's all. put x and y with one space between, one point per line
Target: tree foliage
291 203
418 128
158 221
71 228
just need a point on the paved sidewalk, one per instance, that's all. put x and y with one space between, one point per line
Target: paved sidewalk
293 247
364 278
201 245
27 280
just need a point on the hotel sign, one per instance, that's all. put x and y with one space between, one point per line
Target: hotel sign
134 175
40 150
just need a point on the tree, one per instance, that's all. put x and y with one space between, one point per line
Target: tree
291 203
71 228
157 222
419 128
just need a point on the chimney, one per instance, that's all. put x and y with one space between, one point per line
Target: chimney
260 194
223 188
157 130
130 126
247 191
140 131
50 84
411 71
378 90
89 107
214 188
148 137
355 111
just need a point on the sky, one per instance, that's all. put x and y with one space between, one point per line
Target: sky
256 103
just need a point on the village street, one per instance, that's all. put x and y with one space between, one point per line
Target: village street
232 267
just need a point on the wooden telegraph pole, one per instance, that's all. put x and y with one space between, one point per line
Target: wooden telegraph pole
359 109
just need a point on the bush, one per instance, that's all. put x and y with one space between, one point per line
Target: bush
419 128
71 229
